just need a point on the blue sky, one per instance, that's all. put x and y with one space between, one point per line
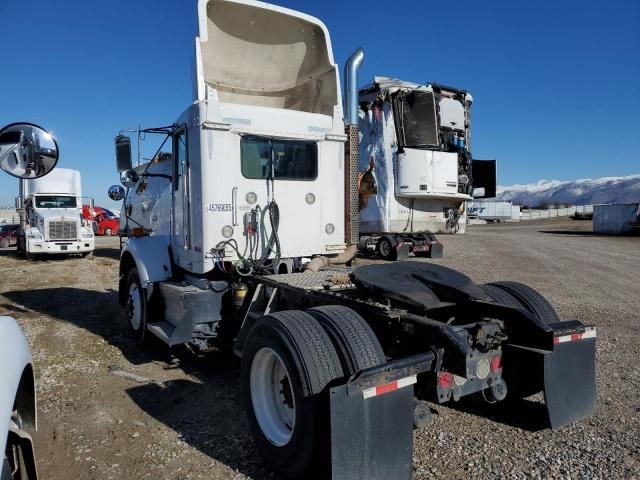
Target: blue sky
555 83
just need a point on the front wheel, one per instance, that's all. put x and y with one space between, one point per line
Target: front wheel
136 306
4 243
287 365
108 232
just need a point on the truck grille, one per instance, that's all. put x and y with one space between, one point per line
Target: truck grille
63 230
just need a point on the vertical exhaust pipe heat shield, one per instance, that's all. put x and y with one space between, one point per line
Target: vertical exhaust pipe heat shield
351 161
352 149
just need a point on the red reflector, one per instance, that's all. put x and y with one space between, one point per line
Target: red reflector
444 379
389 387
496 363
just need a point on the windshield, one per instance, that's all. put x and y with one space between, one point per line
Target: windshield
289 159
7 228
55 201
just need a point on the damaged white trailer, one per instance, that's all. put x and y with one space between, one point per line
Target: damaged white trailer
416 142
237 236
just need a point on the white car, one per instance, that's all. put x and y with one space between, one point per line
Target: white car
17 403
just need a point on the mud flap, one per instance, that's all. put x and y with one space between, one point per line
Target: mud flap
570 378
565 372
372 421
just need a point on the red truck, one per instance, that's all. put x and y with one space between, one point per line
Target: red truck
8 235
103 221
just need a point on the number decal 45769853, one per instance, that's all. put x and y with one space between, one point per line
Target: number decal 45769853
219 207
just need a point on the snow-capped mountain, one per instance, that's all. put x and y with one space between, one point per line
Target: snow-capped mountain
576 192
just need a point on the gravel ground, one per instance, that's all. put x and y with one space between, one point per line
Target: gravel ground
187 422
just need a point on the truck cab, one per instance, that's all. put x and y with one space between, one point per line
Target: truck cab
53 211
252 164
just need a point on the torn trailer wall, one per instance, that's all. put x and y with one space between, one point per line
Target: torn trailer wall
416 208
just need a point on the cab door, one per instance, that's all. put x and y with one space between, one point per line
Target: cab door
181 216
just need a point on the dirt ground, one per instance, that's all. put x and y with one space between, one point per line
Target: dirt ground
188 422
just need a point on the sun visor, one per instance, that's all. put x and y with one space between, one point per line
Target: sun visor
263 55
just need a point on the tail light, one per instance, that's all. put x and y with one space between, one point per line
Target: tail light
496 363
444 379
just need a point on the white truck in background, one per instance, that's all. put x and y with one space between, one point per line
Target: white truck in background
494 211
52 210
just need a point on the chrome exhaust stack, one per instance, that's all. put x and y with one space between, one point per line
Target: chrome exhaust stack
352 148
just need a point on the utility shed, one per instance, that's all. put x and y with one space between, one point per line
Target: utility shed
616 218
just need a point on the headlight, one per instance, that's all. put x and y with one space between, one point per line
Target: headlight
87 235
35 236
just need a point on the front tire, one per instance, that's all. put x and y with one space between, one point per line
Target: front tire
136 306
287 364
4 243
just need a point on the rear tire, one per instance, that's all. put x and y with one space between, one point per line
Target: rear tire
386 249
4 243
290 425
353 339
529 299
136 306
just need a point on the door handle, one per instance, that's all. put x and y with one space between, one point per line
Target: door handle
234 206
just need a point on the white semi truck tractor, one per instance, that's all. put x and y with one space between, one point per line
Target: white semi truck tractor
237 235
415 150
52 210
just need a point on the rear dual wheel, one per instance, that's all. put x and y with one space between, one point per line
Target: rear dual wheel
288 364
521 375
519 295
387 248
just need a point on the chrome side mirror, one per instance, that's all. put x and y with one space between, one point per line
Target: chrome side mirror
27 150
129 178
116 193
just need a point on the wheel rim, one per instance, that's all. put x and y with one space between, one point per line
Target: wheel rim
272 397
134 306
385 248
107 232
